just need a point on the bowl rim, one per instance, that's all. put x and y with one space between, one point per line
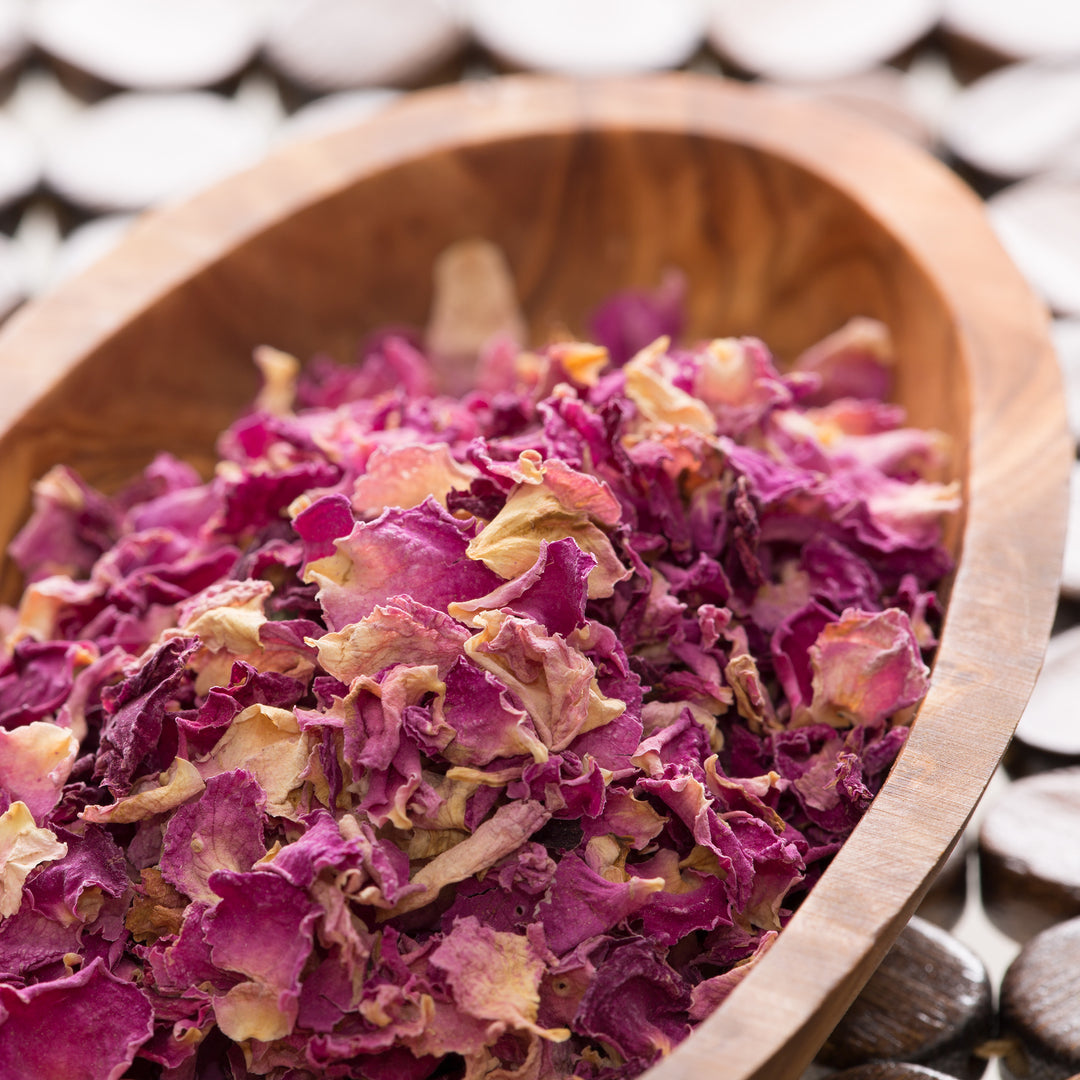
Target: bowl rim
1005 590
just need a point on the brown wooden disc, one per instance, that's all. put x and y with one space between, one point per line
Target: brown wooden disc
1017 29
1040 1006
1019 120
136 149
1029 854
150 44
890 1070
340 44
816 39
929 1003
1048 735
1038 221
602 37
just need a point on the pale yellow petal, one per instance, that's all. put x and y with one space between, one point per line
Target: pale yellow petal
22 847
504 832
168 791
659 400
268 743
279 371
564 504
581 361
250 1010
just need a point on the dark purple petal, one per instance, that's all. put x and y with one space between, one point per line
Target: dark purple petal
37 679
135 713
636 1003
633 319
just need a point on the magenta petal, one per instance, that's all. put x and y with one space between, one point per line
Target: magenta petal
220 830
30 940
419 552
135 711
583 904
262 927
866 667
637 1003
86 1026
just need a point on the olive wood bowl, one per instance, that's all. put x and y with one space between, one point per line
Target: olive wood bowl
787 220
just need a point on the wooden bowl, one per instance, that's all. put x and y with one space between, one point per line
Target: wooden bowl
787 219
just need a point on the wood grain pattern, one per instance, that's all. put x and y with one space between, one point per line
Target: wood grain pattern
944 901
787 222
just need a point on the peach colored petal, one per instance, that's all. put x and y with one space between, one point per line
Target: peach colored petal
405 476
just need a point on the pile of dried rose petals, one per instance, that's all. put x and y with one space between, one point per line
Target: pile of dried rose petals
493 737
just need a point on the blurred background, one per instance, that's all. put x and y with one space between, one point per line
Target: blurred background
111 107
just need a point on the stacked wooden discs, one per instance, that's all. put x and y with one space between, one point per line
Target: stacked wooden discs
1029 853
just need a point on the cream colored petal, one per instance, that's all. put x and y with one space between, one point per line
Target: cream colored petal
279 371
555 682
495 976
247 594
172 789
22 847
235 630
566 503
405 476
41 605
658 399
250 1010
268 743
390 635
501 834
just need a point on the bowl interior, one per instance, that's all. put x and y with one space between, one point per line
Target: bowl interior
769 249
